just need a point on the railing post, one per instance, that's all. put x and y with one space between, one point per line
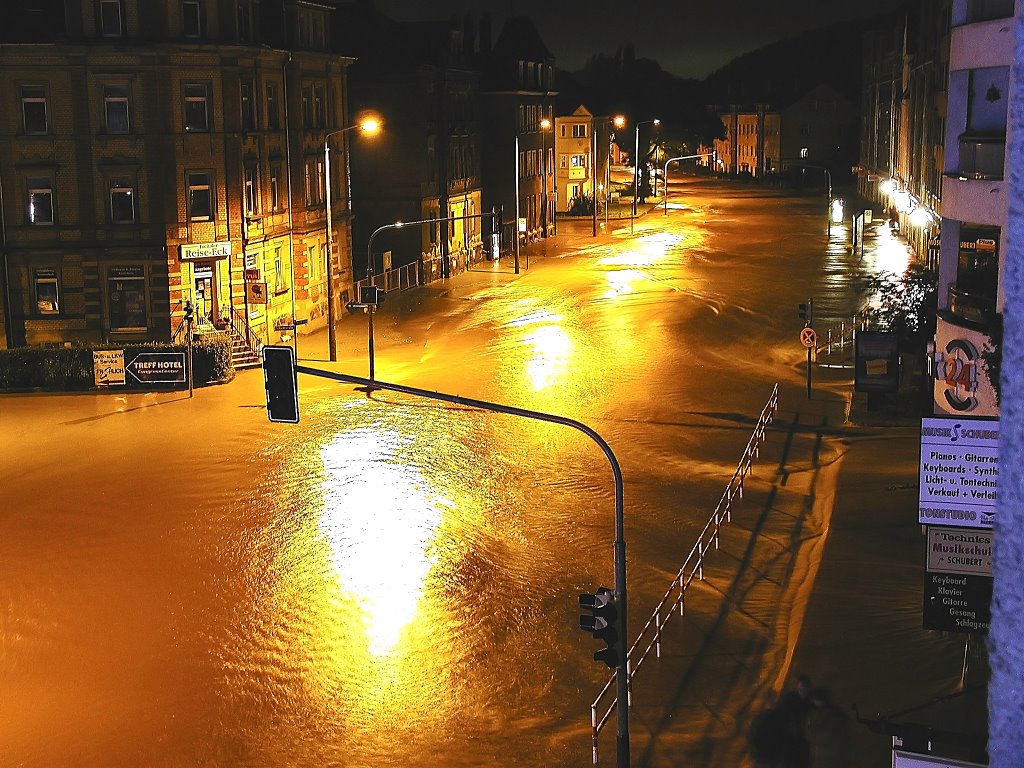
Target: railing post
593 731
657 634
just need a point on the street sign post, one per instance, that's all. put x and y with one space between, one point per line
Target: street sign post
808 337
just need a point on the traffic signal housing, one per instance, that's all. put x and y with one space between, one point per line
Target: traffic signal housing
371 295
189 312
600 617
807 312
280 382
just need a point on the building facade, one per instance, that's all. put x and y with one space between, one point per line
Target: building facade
158 153
517 115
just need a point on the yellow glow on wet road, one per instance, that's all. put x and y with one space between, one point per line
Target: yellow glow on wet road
550 347
381 519
891 253
621 282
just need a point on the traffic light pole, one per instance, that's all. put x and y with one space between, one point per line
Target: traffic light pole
622 669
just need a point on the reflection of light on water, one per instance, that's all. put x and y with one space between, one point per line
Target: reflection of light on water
649 250
551 350
890 253
622 282
380 518
550 344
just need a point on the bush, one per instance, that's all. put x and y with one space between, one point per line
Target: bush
582 206
70 369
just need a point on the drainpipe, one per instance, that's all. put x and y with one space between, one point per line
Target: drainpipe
8 312
291 232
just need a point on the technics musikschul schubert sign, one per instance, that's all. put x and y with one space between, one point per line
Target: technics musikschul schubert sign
959 472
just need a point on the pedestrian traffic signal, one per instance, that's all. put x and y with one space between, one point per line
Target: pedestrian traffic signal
189 312
279 380
807 312
370 295
600 617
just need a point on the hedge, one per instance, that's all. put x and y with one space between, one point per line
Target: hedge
70 369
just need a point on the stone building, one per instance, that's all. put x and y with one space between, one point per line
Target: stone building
158 152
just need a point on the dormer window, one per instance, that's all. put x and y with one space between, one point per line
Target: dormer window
191 18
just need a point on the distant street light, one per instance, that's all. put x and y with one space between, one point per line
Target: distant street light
544 125
617 122
664 174
636 169
370 125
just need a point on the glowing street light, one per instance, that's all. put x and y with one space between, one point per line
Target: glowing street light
370 125
636 169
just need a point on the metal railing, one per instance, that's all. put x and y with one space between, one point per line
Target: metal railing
649 638
400 279
839 340
244 330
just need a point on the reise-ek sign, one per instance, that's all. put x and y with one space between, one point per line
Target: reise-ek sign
959 472
204 251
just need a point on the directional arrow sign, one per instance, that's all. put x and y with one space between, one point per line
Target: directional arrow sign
158 368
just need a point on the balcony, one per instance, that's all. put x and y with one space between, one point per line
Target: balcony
974 307
982 157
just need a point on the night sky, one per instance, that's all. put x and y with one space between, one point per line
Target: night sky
689 38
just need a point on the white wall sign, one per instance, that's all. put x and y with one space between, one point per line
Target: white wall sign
911 760
955 550
204 251
108 367
959 472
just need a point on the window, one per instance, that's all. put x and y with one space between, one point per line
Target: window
320 106
191 18
110 18
40 200
197 116
126 289
280 284
579 130
252 189
115 108
578 161
248 106
122 201
272 105
803 152
313 256
247 21
275 187
47 291
307 106
33 108
200 196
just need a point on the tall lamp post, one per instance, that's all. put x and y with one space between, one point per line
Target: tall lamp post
636 169
617 122
544 125
370 126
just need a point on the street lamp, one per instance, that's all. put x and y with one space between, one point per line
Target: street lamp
617 122
544 125
636 169
370 125
664 173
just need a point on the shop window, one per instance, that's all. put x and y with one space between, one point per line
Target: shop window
191 18
200 196
40 200
47 291
111 18
115 108
197 113
122 201
126 293
33 109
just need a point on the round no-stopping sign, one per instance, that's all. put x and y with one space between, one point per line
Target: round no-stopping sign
808 337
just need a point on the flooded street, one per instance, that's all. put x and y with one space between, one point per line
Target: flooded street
394 581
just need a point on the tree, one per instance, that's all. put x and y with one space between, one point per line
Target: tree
905 304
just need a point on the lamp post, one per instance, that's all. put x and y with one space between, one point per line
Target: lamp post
370 126
636 169
664 173
617 122
544 125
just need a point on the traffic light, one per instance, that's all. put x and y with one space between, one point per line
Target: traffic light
189 312
279 379
807 312
600 617
370 295
495 221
